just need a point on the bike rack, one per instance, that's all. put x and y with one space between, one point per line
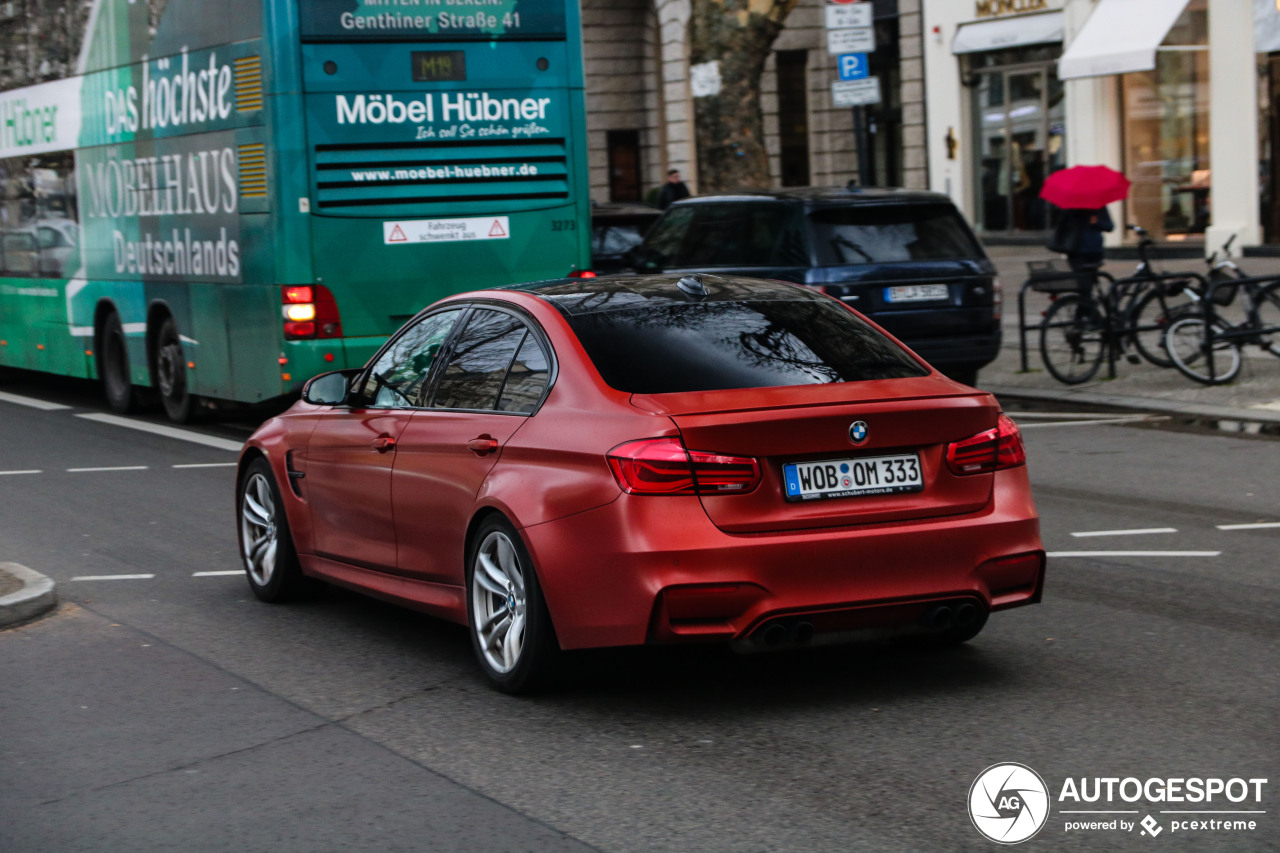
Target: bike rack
1048 276
1211 310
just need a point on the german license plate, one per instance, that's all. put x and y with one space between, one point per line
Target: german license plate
916 293
846 478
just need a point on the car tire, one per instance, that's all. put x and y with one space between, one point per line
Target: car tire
113 366
510 627
266 546
170 378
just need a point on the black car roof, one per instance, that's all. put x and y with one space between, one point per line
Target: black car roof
618 293
828 195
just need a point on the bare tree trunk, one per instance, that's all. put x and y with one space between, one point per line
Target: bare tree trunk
729 44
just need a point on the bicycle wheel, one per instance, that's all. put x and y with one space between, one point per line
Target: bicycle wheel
1187 347
1268 307
1072 339
1150 316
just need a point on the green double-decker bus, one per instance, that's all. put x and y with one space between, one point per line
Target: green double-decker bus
229 198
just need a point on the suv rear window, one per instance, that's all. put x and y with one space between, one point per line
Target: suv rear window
869 234
711 346
730 234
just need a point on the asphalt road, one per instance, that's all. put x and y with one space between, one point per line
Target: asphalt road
171 711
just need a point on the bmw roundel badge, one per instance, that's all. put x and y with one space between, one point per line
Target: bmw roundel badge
858 432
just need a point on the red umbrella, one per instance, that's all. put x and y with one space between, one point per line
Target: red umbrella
1086 187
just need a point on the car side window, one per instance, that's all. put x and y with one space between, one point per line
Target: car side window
479 361
399 377
527 379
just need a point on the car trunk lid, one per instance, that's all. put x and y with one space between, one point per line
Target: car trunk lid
905 418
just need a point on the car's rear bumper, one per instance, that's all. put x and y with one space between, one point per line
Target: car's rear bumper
646 569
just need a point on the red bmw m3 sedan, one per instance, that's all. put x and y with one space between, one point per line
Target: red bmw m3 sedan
657 459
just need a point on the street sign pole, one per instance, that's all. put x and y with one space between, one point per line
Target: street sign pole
851 39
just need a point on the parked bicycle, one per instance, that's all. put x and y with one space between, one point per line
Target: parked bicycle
1116 317
1206 347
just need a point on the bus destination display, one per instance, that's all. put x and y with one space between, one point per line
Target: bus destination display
439 66
434 20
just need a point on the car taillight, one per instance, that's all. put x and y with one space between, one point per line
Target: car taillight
581 274
662 466
310 311
988 451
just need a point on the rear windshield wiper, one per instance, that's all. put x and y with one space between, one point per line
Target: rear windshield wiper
839 241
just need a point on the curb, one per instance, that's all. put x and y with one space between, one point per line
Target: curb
36 597
1145 404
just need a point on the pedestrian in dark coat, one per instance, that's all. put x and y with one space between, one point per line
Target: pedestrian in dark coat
1079 237
672 191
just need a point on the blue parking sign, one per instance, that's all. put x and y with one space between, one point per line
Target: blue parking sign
853 66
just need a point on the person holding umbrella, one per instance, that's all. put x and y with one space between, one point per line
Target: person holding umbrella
1083 193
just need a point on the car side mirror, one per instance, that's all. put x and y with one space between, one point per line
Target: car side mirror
645 261
328 389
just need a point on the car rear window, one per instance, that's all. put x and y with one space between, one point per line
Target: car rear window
709 346
870 234
730 234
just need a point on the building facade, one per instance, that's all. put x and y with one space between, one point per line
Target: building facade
1176 94
640 103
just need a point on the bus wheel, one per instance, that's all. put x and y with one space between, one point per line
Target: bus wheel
113 366
171 374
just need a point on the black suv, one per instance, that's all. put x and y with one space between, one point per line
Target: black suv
906 259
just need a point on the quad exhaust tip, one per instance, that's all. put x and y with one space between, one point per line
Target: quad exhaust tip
780 633
940 617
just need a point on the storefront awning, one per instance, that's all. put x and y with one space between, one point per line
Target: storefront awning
1120 36
1008 32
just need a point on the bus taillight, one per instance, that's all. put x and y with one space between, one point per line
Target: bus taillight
310 311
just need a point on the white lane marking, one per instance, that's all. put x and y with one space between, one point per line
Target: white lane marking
113 578
1136 532
166 431
1134 554
208 465
1129 420
35 404
217 574
117 468
32 471
1261 525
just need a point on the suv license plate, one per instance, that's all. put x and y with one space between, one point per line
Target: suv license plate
846 478
916 293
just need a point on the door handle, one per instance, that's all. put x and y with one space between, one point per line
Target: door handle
482 445
383 443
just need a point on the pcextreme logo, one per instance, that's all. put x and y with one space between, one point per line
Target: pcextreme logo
1010 803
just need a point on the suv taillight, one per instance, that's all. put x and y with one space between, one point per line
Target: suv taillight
310 311
988 451
662 466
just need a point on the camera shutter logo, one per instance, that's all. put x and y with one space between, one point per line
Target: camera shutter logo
1008 803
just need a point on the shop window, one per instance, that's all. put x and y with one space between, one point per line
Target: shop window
1166 134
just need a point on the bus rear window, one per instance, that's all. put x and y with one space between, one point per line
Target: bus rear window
672 347
872 234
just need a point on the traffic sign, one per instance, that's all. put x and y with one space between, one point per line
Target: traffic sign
856 93
853 40
848 15
853 66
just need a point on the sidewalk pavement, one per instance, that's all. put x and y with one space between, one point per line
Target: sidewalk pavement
1253 396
